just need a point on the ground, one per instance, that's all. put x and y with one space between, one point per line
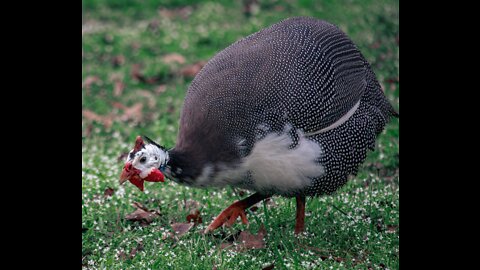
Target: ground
138 58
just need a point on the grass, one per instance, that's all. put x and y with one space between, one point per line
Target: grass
356 228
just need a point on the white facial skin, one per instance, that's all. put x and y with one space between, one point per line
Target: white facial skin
147 159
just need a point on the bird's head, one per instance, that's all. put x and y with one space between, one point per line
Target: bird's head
144 163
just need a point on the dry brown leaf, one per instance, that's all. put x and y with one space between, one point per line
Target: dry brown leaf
181 228
88 130
134 250
161 88
118 88
193 207
89 80
392 228
118 60
130 113
183 12
151 102
137 75
195 217
132 253
192 70
142 214
122 255
139 206
106 120
173 58
247 241
250 241
269 267
108 192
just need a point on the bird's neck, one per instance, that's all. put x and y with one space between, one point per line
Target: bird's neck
181 167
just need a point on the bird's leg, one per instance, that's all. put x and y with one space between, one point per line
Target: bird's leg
237 209
300 218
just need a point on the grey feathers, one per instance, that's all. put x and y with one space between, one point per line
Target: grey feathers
301 72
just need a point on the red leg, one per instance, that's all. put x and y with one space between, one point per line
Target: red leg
300 218
237 209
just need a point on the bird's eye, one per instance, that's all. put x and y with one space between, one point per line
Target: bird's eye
143 159
156 158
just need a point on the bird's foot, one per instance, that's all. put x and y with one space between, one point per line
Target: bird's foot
229 216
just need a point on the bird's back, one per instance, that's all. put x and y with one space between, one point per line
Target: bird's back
302 73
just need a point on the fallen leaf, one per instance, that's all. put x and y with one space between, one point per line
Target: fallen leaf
226 245
250 241
142 214
246 241
88 130
193 207
118 88
195 217
130 113
392 228
118 60
122 255
153 25
134 250
139 206
89 80
192 70
183 12
161 88
106 120
151 102
173 58
108 192
137 75
181 228
269 267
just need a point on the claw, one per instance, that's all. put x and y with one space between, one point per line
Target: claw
229 216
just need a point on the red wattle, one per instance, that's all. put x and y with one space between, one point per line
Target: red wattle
137 181
154 176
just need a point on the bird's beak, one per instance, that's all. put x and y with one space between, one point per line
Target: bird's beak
127 172
133 175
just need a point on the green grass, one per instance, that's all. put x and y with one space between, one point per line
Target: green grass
355 228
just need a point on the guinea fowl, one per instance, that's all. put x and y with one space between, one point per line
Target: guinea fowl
290 110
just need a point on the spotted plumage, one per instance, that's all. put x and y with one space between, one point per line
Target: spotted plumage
300 73
289 110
